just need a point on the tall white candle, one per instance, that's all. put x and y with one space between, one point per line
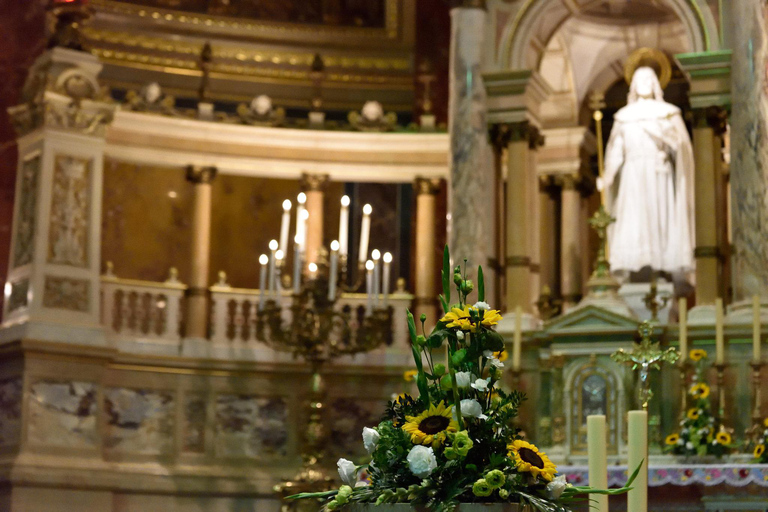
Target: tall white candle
386 277
344 226
263 260
272 249
598 460
365 232
376 257
285 226
517 340
301 199
756 334
368 287
296 265
304 219
279 257
719 337
637 439
682 315
334 269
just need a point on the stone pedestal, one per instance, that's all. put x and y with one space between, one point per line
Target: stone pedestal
313 186
426 250
53 284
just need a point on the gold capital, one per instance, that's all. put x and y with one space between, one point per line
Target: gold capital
201 174
313 182
426 186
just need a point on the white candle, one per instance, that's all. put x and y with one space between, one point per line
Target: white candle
368 286
312 267
279 255
756 337
304 218
386 277
517 339
272 249
333 273
263 260
300 208
682 314
344 226
637 440
719 338
296 265
598 460
365 232
285 225
376 257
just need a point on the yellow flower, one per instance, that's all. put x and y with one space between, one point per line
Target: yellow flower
672 439
501 356
491 317
723 438
759 450
765 422
454 317
698 391
461 318
529 459
693 414
697 354
431 426
410 375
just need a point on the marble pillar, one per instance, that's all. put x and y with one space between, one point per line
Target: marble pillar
197 293
313 186
570 242
425 301
547 233
519 220
535 139
749 153
471 193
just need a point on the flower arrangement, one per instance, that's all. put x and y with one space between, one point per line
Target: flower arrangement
697 434
456 441
760 453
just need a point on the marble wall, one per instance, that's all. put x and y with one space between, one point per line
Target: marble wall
139 421
10 411
63 414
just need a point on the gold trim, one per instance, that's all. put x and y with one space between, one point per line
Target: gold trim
645 56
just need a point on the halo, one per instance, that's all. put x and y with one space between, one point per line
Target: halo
653 58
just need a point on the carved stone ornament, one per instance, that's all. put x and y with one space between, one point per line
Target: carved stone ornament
261 112
372 118
70 212
151 99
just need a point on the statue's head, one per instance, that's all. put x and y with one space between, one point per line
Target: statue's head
645 84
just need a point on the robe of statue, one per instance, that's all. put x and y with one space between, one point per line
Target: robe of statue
648 182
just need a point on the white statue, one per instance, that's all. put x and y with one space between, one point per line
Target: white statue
649 182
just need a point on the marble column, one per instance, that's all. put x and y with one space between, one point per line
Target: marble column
519 219
708 129
570 242
197 293
749 152
547 233
313 186
426 249
535 140
471 193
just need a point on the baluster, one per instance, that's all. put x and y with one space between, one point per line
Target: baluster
237 320
122 309
108 306
252 320
219 333
172 310
157 305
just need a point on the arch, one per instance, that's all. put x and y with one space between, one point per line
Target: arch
697 19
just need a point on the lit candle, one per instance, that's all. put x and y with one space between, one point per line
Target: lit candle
300 208
332 277
682 314
312 267
304 218
756 338
365 232
296 265
719 338
272 249
285 225
637 444
385 278
598 460
376 256
344 226
279 255
263 259
517 340
368 286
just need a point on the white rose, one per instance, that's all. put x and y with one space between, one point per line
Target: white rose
347 472
370 439
556 487
481 384
422 461
481 305
463 379
473 409
689 445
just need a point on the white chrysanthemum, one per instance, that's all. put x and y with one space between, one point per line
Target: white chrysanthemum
482 305
472 409
556 487
463 379
347 472
422 461
481 384
370 439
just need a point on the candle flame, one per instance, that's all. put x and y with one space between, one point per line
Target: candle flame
335 245
369 265
273 245
304 214
301 198
287 205
312 267
375 254
263 259
367 209
345 201
387 257
279 255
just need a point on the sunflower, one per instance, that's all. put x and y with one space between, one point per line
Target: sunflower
457 317
723 438
501 356
672 439
698 391
431 426
491 317
410 375
693 413
697 354
529 459
759 450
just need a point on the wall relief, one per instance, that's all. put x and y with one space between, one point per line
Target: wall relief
70 215
24 248
66 293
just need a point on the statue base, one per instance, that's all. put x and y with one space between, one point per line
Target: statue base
603 293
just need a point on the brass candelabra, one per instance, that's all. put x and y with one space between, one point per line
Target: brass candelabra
754 432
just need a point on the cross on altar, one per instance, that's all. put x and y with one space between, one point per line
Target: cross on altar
600 222
646 355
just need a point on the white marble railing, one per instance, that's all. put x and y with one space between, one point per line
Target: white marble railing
142 310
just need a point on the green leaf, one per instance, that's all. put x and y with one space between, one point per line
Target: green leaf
480 285
411 326
458 357
421 383
444 303
447 276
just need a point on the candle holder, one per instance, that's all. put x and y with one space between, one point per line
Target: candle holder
720 368
754 432
683 365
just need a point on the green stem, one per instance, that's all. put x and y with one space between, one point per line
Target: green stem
454 385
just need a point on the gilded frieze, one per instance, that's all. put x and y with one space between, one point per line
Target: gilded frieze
24 248
70 215
63 414
66 293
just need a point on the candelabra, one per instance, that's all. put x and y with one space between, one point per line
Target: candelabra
318 330
754 432
720 368
654 301
682 366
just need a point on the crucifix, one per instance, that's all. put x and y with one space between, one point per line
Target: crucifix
646 355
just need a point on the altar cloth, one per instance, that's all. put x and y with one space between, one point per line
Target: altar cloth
735 475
